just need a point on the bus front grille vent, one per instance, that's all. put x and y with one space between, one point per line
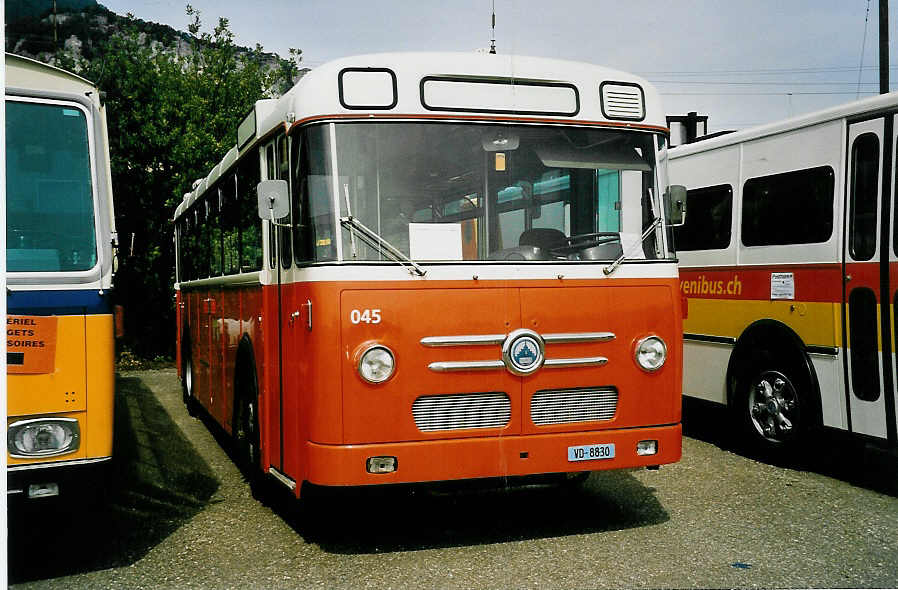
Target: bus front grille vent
461 411
565 406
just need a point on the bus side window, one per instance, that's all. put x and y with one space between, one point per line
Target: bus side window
269 175
250 226
313 212
229 224
283 173
203 240
214 236
302 251
864 196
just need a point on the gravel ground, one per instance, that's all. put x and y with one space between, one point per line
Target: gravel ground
179 515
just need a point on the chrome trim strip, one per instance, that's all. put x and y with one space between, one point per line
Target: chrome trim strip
282 478
439 341
595 361
448 366
579 337
51 464
709 339
823 350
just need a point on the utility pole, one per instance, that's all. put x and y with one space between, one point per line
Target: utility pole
55 40
883 46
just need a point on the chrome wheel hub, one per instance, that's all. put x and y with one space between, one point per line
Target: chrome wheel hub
773 406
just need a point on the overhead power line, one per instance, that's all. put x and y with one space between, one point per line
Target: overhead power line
722 83
759 93
761 71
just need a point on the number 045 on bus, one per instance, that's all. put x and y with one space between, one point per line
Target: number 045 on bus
417 268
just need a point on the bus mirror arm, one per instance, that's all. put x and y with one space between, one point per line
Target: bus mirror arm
375 241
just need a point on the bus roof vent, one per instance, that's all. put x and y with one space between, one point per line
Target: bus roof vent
622 100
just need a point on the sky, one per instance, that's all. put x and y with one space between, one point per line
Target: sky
741 62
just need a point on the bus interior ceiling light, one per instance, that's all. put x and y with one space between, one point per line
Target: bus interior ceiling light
43 437
651 352
376 364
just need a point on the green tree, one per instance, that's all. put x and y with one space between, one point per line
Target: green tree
172 113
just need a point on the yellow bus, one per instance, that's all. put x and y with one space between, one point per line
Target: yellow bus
789 267
59 263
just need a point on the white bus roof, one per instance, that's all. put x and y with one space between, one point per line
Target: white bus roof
857 108
475 86
28 74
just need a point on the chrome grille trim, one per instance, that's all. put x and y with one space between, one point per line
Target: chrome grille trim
449 366
499 339
595 361
477 339
566 406
579 337
461 411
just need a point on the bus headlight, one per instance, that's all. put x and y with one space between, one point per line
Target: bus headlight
651 352
376 364
43 437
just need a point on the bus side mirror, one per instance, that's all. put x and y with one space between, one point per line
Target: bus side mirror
274 200
676 205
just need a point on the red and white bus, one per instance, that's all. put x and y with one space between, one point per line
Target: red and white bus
428 267
789 266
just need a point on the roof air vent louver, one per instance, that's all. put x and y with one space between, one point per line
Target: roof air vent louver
622 100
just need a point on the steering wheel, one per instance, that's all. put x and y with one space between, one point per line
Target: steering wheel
583 241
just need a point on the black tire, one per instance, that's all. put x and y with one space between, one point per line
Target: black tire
246 426
187 386
773 408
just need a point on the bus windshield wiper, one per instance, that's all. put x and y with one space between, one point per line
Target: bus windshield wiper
613 266
371 238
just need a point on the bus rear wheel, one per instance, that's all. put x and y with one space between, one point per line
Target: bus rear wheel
246 430
773 411
187 385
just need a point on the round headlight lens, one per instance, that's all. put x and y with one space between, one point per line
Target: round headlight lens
651 353
377 364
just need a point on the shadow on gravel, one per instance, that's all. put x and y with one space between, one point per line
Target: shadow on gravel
831 453
407 518
155 483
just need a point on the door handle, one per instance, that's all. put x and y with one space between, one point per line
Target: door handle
308 304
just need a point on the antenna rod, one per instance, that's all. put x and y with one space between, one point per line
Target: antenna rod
493 38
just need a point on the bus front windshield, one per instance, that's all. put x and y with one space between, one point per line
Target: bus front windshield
478 192
49 197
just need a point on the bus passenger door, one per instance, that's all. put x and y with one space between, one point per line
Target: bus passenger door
868 371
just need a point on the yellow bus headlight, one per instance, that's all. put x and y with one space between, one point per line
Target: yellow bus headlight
43 437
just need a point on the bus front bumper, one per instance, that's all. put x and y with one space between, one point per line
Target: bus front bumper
481 457
61 478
